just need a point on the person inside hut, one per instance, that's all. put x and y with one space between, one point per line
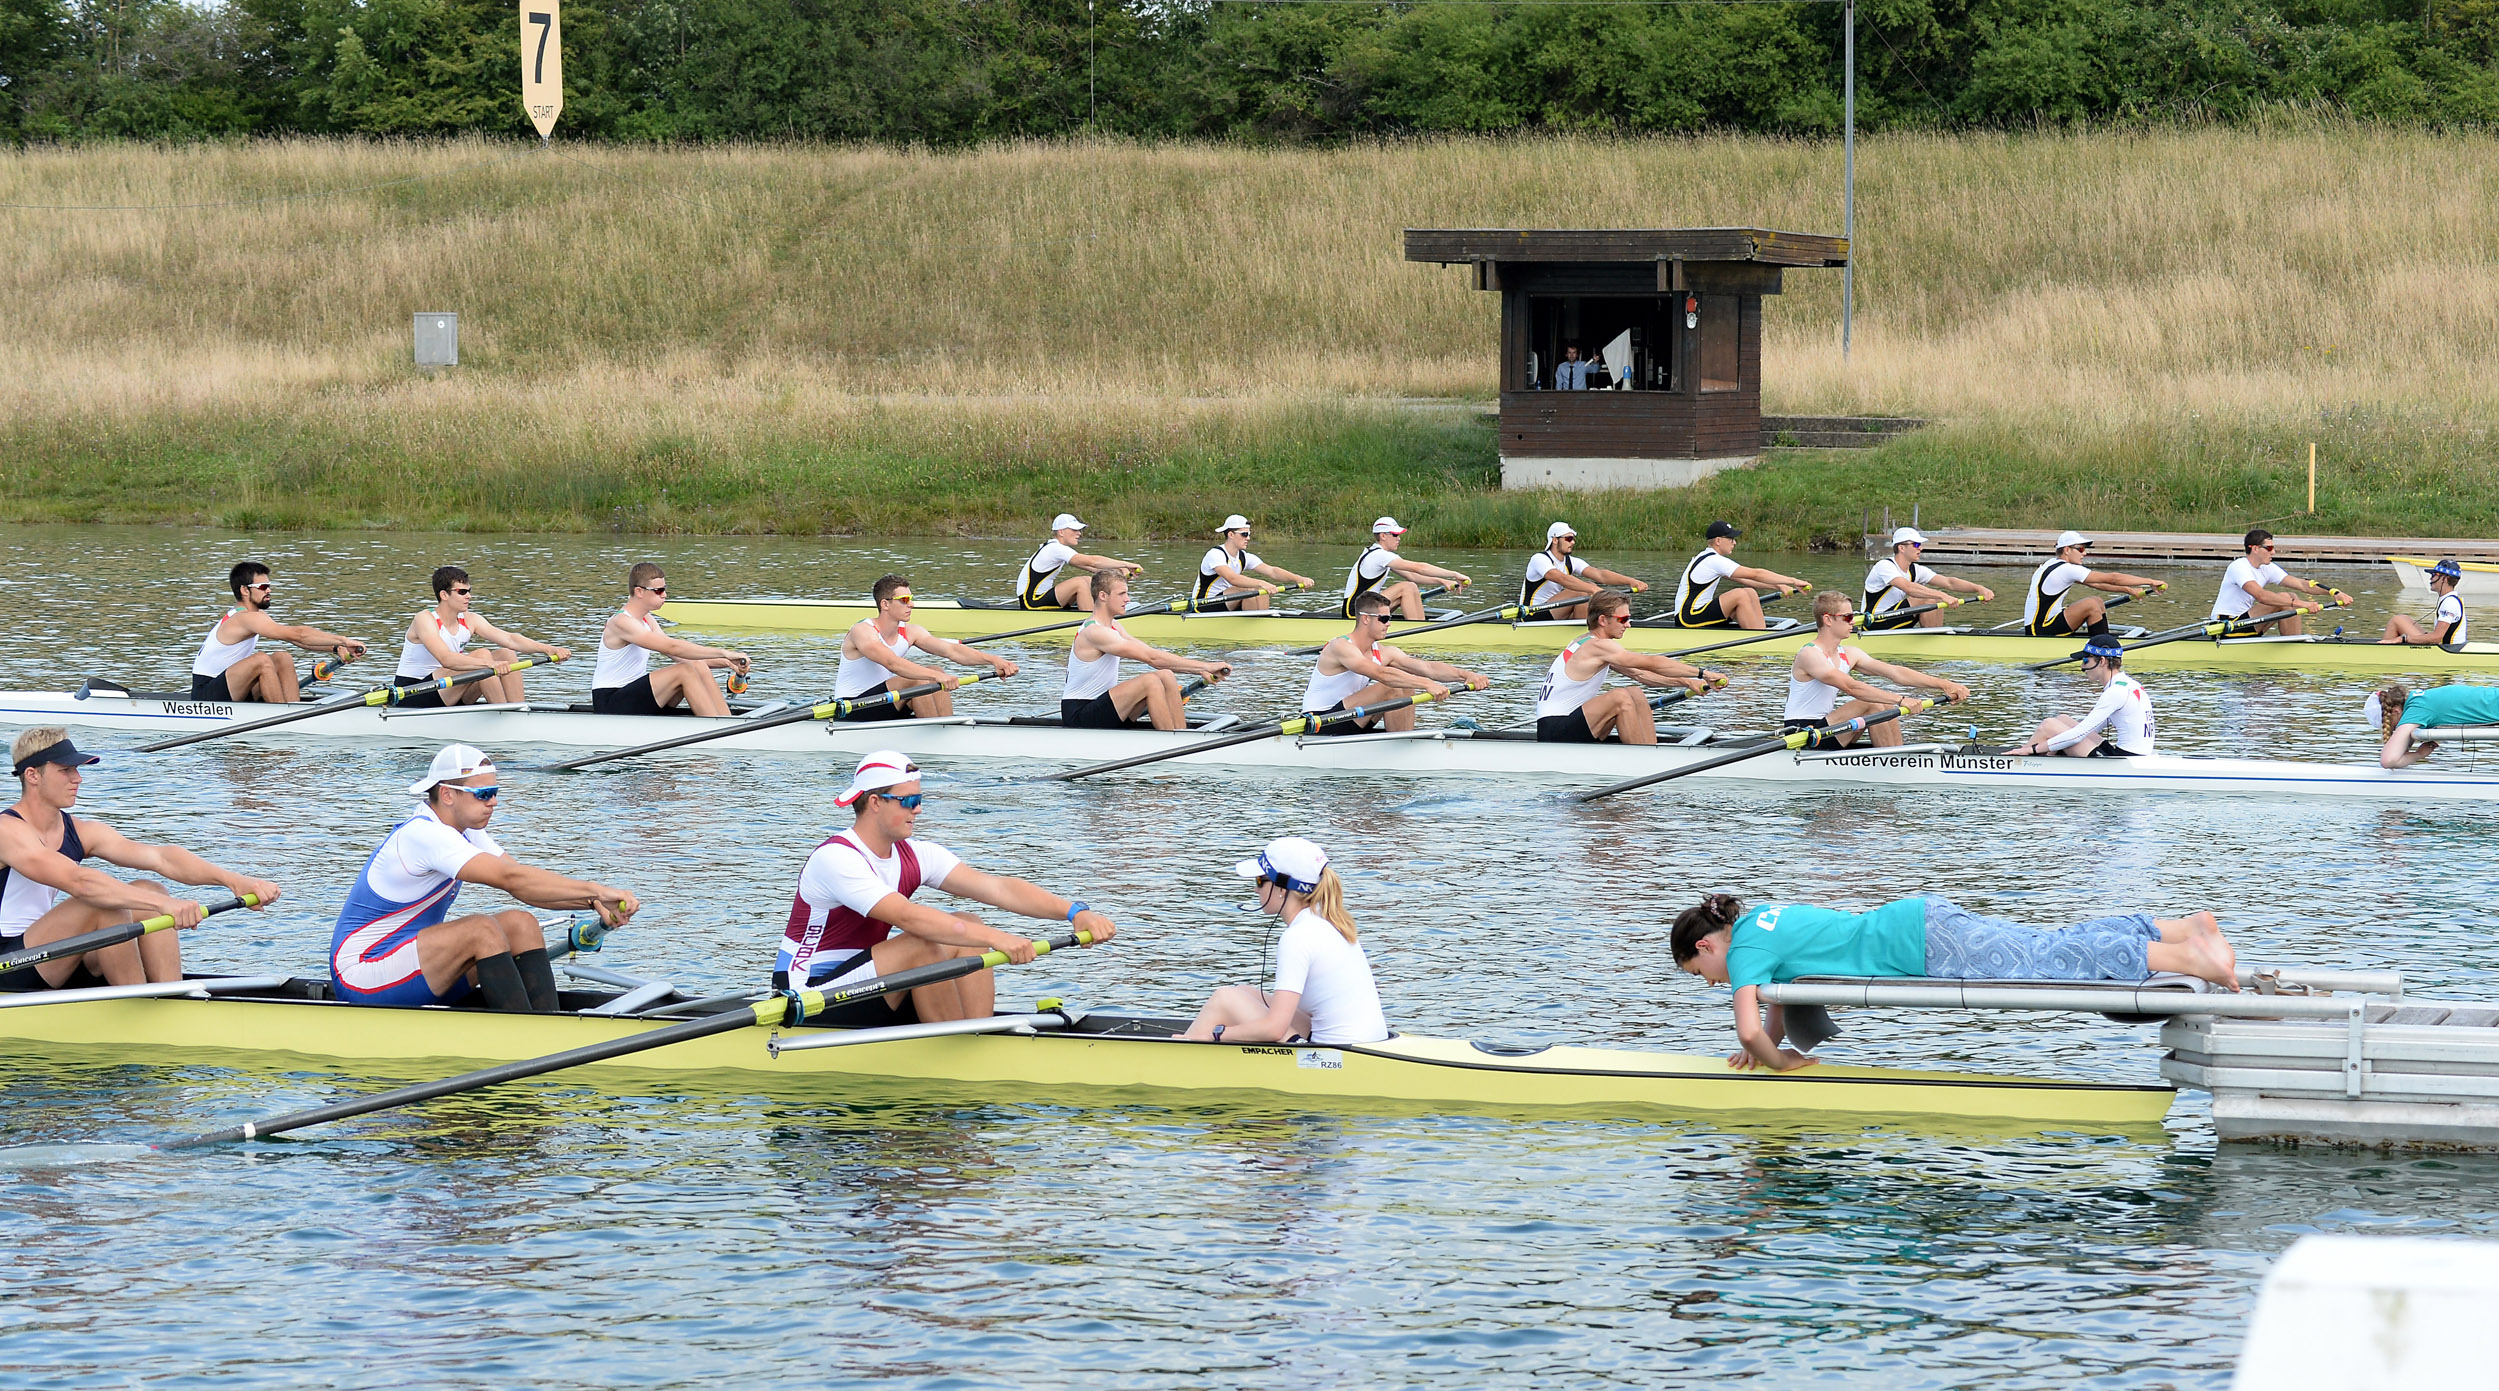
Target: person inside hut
1571 373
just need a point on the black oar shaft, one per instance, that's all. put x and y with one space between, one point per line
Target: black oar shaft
112 936
1309 723
1183 605
379 695
1800 739
827 710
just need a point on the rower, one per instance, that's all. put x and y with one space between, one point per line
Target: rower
1899 582
1095 697
1047 585
230 665
2053 611
624 683
431 650
1223 573
1361 667
853 917
1323 991
876 654
395 943
2448 627
1825 670
1575 708
2400 714
1699 604
1556 572
2243 593
2124 710
1381 570
47 893
1723 942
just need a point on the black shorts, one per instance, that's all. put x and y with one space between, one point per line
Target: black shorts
2106 749
2058 626
28 979
1894 619
1791 726
890 710
634 699
210 687
875 1012
1710 615
1097 713
1342 727
430 700
1047 600
1565 729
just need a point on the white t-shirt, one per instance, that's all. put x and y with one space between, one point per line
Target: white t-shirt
1214 586
1370 568
1700 579
1881 597
2233 601
1334 979
421 856
1539 565
1043 569
2450 610
2048 586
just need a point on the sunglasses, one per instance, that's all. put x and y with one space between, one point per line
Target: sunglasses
263 586
463 590
902 598
483 794
1915 545
910 803
652 588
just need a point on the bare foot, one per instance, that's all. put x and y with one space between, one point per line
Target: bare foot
2214 960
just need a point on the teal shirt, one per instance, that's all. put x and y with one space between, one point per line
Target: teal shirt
2441 706
1777 942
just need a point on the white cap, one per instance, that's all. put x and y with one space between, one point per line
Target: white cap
1386 524
2374 712
1235 522
878 771
1292 858
451 763
1067 522
1906 535
2071 538
1559 530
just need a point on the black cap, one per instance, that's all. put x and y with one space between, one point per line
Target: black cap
1726 529
64 753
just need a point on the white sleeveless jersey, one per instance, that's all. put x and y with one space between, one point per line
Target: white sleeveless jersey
620 667
1213 586
216 657
857 676
1087 679
2050 586
1562 695
415 661
1815 700
1328 692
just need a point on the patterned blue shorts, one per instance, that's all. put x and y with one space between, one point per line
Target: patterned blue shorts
1962 945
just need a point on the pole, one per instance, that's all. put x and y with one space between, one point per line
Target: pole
1848 173
2312 478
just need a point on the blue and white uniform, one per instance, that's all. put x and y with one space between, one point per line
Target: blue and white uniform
407 886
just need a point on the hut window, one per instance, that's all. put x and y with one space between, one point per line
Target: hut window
1721 361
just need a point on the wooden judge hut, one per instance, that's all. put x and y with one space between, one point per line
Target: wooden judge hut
1665 385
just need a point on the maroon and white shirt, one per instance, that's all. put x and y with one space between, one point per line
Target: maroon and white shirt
829 922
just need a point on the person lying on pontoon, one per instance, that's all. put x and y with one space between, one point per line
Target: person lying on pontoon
2399 714
1722 941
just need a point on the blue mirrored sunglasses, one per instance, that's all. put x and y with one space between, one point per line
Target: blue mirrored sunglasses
910 803
483 794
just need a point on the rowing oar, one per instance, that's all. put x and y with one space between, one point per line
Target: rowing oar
1307 723
2121 599
113 936
379 695
1503 614
789 1007
828 710
1214 605
2215 628
1856 625
1797 739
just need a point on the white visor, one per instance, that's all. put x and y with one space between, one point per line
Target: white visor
878 771
2374 711
451 763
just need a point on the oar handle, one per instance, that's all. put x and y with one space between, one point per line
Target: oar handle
112 936
824 710
799 1006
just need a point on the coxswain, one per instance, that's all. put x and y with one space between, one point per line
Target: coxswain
2124 709
876 654
1556 573
1046 583
2243 593
1361 668
1723 942
1381 570
2053 610
2399 714
231 665
1899 583
1575 708
1323 991
1095 697
625 684
1227 573
854 916
47 892
395 942
2449 627
1825 670
432 649
1698 600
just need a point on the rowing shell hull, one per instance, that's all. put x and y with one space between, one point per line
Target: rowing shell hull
1437 1074
1429 753
2268 653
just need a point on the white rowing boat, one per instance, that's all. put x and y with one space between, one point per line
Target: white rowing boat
1421 753
2480 581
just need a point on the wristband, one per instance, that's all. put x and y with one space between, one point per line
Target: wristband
1075 906
1219 1033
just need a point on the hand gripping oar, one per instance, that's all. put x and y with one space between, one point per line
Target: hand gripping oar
113 936
1797 739
829 710
2120 600
1504 614
1308 723
379 695
1184 605
2216 629
1856 625
788 1007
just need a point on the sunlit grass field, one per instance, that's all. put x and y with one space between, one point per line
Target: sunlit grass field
2136 329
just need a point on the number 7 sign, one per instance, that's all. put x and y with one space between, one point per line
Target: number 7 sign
542 64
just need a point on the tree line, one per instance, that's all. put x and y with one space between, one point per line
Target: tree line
951 72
